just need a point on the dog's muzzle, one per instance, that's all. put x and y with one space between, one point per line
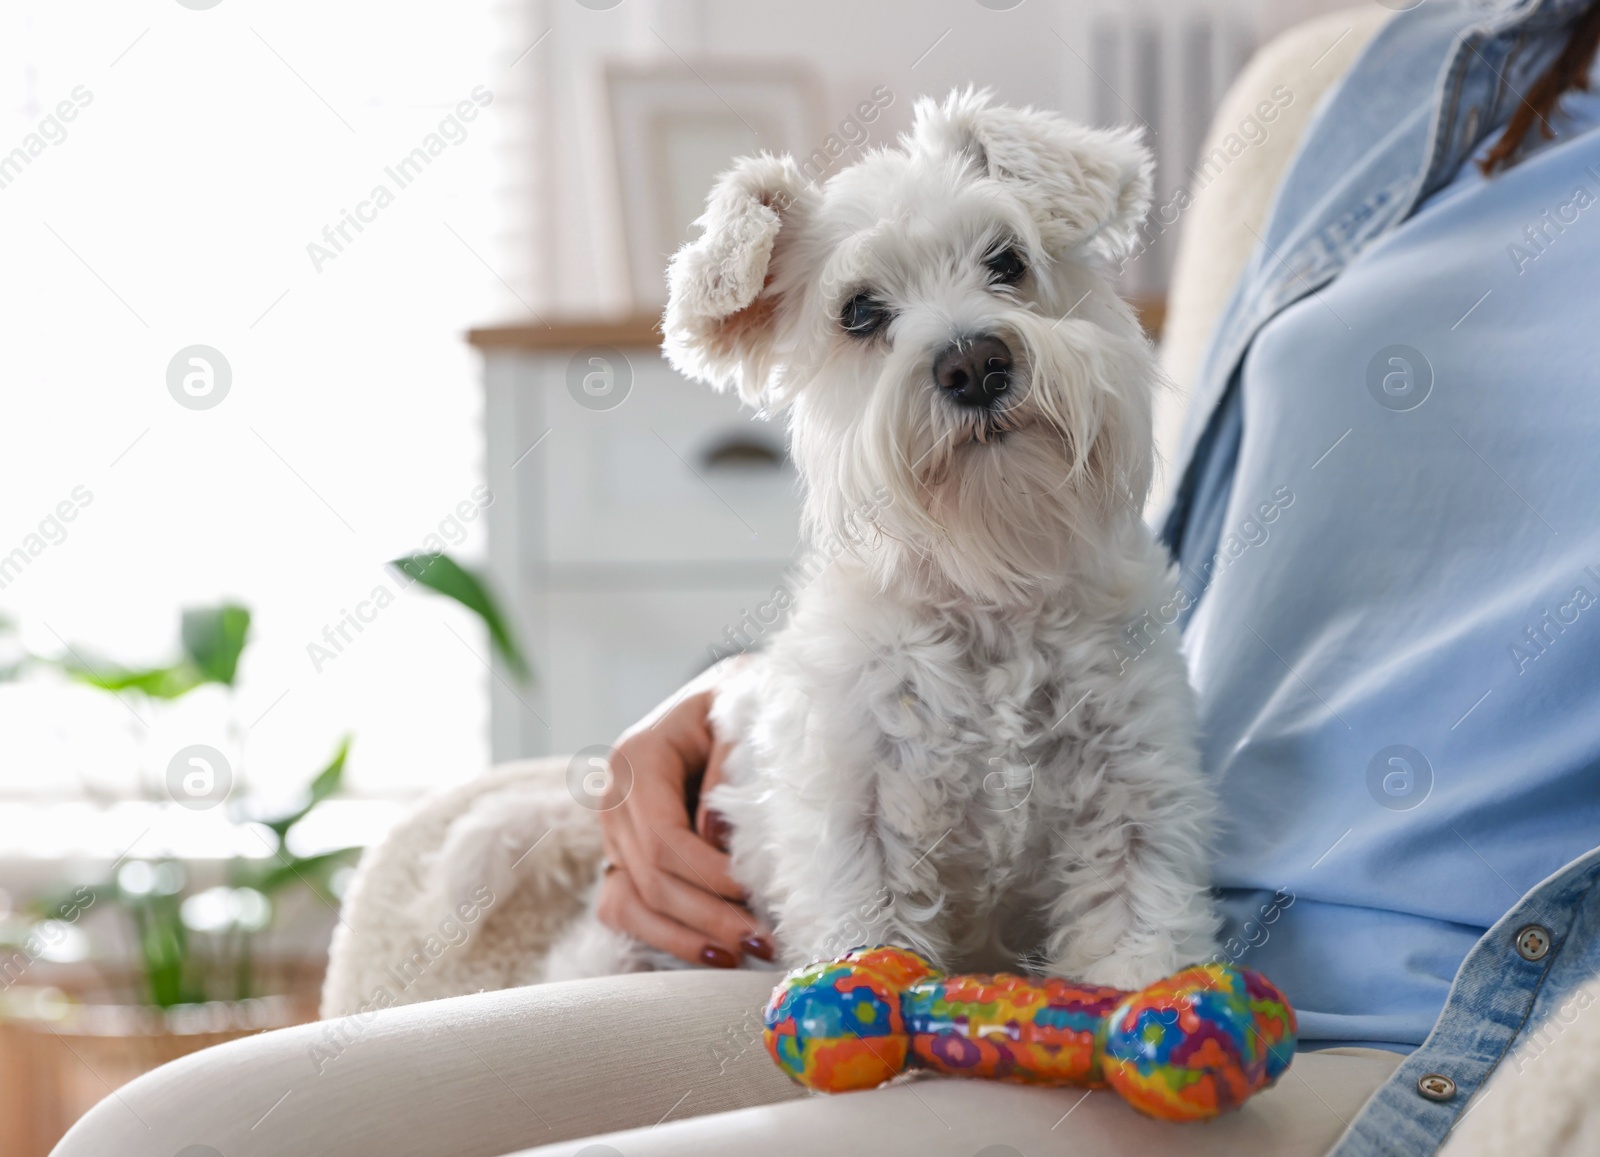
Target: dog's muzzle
974 371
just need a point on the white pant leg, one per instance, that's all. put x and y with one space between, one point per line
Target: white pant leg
474 1076
1302 1116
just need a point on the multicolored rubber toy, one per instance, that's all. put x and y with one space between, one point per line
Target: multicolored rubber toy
1187 1048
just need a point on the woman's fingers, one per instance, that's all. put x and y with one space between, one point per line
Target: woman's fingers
653 760
672 888
621 907
721 921
646 773
679 852
658 841
715 920
710 823
657 762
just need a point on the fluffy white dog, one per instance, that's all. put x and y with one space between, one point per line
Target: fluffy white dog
961 741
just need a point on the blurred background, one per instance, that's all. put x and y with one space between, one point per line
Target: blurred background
295 290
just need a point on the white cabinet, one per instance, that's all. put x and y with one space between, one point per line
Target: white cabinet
636 517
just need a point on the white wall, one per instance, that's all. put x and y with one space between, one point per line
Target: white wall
1037 52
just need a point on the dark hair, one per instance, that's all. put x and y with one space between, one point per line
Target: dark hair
1567 71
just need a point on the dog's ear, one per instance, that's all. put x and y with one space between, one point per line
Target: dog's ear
724 288
1090 188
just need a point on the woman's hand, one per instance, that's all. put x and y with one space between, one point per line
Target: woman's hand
667 885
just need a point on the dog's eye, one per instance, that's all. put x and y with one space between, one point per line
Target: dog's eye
863 315
1007 266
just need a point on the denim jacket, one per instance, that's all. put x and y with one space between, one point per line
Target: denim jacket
1457 66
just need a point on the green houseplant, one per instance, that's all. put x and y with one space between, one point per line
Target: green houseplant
196 946
199 972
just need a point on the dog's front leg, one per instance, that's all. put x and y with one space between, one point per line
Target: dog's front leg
846 875
839 894
802 838
1130 902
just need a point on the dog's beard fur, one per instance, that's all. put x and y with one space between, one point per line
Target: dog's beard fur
993 506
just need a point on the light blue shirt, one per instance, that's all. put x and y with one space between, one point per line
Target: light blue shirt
1398 659
1389 514
1390 517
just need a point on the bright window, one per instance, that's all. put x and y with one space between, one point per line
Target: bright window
207 149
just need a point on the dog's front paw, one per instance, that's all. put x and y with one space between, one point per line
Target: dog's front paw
1130 970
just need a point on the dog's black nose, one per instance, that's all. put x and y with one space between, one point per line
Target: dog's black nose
975 371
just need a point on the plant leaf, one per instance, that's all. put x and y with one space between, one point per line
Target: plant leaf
214 637
311 870
326 783
439 572
156 682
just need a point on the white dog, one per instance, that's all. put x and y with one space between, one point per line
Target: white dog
958 742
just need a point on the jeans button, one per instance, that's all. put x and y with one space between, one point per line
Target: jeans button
1533 942
1436 1087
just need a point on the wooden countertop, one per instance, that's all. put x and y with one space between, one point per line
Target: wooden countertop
571 333
643 331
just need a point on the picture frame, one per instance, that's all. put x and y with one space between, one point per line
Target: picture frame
676 124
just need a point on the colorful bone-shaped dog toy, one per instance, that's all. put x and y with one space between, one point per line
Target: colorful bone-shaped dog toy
1187 1048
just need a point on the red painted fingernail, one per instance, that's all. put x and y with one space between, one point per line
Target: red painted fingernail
718 829
717 957
757 946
